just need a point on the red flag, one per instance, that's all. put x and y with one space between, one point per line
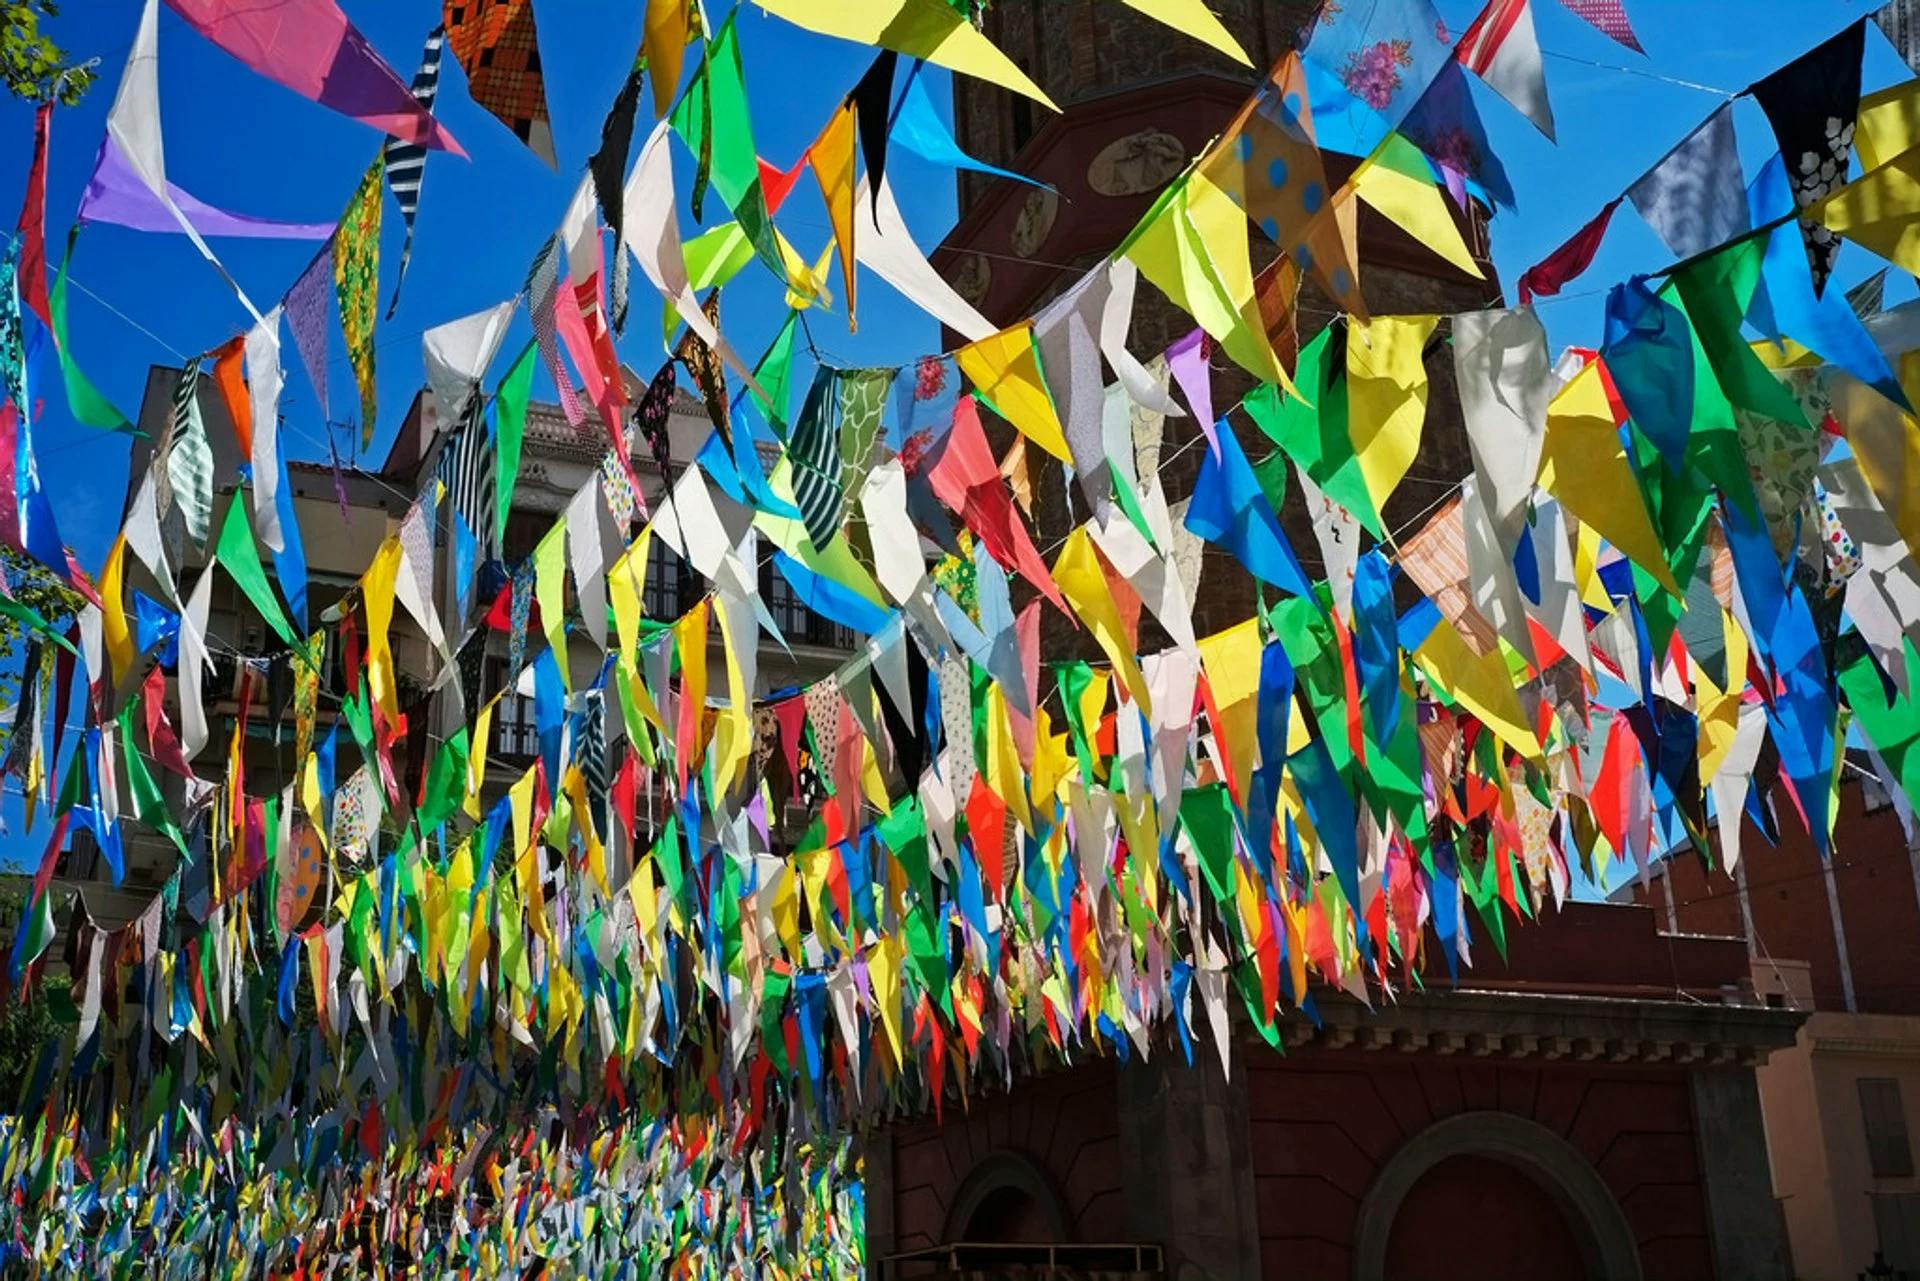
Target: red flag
33 223
1552 274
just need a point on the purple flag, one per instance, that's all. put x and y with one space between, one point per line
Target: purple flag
116 194
1187 358
306 306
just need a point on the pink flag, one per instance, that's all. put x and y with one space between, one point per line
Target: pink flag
311 48
1610 17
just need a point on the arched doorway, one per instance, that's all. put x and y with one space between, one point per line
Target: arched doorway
1008 1200
1491 1196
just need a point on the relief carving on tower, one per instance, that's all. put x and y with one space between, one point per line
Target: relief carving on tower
1035 223
1136 164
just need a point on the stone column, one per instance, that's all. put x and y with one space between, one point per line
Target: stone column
1749 1240
876 1153
1186 1151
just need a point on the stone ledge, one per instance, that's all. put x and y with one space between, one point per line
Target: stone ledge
1516 1025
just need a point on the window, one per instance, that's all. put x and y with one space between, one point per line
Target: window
514 732
795 620
1896 1219
670 589
1889 1154
524 531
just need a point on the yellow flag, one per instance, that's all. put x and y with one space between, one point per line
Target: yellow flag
1195 19
1003 770
664 45
1386 181
1481 684
1078 573
1720 709
626 582
376 589
113 620
1193 245
477 757
1231 660
1584 465
1880 210
932 30
831 159
733 740
1387 398
883 967
1886 443
550 592
1889 124
1005 369
690 642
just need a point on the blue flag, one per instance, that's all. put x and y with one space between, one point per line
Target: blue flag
1229 510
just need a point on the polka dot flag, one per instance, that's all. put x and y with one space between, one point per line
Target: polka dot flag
1610 17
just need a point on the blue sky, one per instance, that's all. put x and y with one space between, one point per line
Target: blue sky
242 142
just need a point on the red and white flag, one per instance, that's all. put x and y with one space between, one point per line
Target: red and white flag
1501 48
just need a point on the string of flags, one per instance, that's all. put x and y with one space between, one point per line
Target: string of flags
636 981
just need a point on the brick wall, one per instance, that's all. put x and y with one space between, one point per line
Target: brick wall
1323 1127
1787 889
1066 1123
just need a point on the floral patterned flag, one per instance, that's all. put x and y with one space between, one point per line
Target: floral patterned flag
1811 104
356 283
1368 63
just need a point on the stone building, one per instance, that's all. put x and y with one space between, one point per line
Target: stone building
1831 938
1586 1107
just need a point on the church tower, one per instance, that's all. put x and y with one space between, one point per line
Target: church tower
1138 100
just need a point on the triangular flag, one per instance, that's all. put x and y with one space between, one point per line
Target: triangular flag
932 30
1005 370
497 46
1502 49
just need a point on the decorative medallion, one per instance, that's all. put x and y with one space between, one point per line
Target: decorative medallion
973 279
1035 223
1136 164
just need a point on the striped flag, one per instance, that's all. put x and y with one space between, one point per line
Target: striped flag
1609 17
466 469
407 161
814 452
189 457
1502 49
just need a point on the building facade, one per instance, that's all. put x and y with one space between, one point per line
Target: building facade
1831 938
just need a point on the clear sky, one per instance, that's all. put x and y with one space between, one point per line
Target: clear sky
244 143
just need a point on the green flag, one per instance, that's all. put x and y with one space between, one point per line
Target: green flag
712 120
84 400
510 430
1313 432
774 372
149 806
241 559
